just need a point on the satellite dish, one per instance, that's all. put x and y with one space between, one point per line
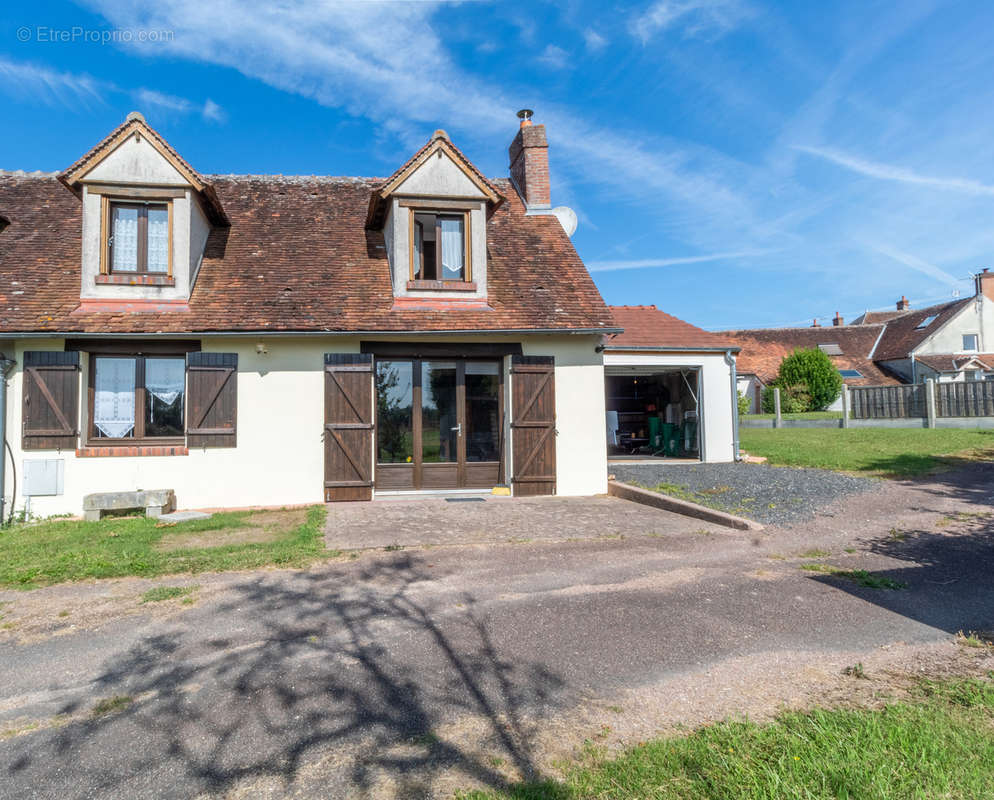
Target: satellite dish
567 218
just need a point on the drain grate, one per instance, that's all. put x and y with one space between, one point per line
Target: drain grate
463 499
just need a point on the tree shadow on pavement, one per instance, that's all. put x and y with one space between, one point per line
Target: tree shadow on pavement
948 573
318 697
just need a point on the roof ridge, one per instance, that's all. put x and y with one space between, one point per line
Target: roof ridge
22 173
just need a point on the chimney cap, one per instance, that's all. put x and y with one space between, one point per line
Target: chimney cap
525 115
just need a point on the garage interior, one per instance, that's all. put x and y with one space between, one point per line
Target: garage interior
653 413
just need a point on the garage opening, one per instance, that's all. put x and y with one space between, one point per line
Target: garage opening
653 413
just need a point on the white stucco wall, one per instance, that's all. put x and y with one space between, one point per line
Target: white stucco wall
716 414
279 458
136 161
975 317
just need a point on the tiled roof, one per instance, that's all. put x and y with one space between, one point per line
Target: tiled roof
647 326
297 257
764 349
876 317
902 334
954 362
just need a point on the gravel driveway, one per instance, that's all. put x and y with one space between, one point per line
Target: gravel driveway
771 495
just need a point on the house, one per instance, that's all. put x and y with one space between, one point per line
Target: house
951 341
268 340
849 347
667 378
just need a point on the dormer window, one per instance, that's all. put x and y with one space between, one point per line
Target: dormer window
440 246
138 240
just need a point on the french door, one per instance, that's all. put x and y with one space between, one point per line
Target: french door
439 424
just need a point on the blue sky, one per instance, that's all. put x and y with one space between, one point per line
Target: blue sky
739 163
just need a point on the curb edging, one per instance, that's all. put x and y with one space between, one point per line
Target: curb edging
626 491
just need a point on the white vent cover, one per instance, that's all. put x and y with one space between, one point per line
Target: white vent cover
43 476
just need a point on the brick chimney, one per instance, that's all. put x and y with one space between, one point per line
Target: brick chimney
985 284
816 323
837 320
529 154
903 304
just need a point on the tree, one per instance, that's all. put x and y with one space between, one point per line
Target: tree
810 377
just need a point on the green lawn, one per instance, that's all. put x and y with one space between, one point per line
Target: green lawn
804 415
60 550
887 452
939 743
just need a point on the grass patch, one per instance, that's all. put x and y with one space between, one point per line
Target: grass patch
712 498
160 593
61 550
800 415
936 744
111 705
882 452
858 576
815 553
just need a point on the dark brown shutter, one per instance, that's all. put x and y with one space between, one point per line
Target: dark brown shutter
533 424
348 426
211 399
51 400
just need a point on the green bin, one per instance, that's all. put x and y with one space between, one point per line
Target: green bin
655 442
671 438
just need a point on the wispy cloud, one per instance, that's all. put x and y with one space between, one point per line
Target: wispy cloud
916 263
649 263
51 87
890 172
693 17
212 112
594 41
554 56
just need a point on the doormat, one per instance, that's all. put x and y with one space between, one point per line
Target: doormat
463 499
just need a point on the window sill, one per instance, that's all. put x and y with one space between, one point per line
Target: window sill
135 279
132 451
441 286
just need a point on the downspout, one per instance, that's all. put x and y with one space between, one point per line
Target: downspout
730 360
5 367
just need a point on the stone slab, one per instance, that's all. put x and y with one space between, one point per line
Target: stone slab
184 516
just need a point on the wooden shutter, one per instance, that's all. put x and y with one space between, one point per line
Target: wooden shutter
51 400
348 426
211 399
533 424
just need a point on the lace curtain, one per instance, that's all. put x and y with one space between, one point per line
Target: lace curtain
453 251
164 378
124 252
114 396
158 240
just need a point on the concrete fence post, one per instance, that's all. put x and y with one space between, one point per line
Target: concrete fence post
930 401
778 419
845 406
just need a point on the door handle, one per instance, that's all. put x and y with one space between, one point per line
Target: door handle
458 428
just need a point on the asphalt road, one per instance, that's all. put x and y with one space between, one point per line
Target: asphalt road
370 677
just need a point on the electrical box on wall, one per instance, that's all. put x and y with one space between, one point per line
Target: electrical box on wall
43 476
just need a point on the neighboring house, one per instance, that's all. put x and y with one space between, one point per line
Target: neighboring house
948 342
663 367
269 340
951 341
849 347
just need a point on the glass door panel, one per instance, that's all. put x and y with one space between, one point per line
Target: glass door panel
482 411
394 412
440 426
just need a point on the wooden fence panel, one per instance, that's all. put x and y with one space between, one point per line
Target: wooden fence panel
888 402
965 399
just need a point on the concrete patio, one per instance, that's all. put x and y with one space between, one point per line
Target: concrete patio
460 520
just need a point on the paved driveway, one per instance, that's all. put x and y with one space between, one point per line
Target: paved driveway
407 674
398 522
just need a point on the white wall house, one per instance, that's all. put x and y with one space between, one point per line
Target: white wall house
262 341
